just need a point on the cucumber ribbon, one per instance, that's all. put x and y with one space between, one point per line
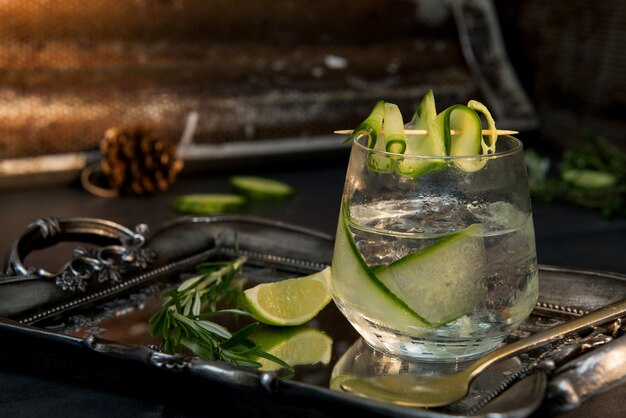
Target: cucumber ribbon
385 130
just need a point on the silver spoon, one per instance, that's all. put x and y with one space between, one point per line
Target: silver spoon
432 391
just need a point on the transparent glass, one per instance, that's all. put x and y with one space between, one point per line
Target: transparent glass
435 257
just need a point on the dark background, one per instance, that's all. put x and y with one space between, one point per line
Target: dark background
567 56
259 72
276 69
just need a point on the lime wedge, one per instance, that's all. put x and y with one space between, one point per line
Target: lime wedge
260 188
208 203
289 302
296 346
444 281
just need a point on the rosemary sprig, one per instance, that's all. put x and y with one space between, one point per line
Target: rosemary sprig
183 319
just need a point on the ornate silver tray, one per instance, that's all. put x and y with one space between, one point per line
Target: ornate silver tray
89 319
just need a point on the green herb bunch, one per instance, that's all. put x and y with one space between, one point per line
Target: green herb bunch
183 319
591 174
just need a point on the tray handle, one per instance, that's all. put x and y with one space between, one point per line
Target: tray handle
120 250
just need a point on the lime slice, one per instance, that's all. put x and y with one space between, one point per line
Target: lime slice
296 346
260 188
289 302
208 203
444 281
353 280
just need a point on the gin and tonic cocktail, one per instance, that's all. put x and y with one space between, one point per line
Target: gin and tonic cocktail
435 254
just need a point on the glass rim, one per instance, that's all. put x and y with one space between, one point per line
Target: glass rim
517 147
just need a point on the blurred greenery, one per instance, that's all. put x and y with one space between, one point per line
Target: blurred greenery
591 174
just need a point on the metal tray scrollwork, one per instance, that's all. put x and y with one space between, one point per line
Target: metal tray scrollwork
89 320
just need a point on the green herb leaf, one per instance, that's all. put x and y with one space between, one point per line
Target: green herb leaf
183 319
591 174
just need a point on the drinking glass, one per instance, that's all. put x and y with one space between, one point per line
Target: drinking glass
436 262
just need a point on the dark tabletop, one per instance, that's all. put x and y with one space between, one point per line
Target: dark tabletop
566 236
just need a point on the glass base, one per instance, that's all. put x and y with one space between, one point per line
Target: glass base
441 351
433 349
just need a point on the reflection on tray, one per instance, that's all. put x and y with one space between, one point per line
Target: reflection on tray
361 361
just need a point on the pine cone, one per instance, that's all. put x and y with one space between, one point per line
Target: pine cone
136 162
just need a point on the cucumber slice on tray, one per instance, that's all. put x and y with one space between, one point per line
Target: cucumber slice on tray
208 203
260 188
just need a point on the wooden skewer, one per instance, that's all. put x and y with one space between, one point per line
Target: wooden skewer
452 132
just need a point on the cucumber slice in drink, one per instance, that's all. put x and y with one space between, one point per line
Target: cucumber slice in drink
351 275
442 282
430 144
208 203
468 142
260 188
